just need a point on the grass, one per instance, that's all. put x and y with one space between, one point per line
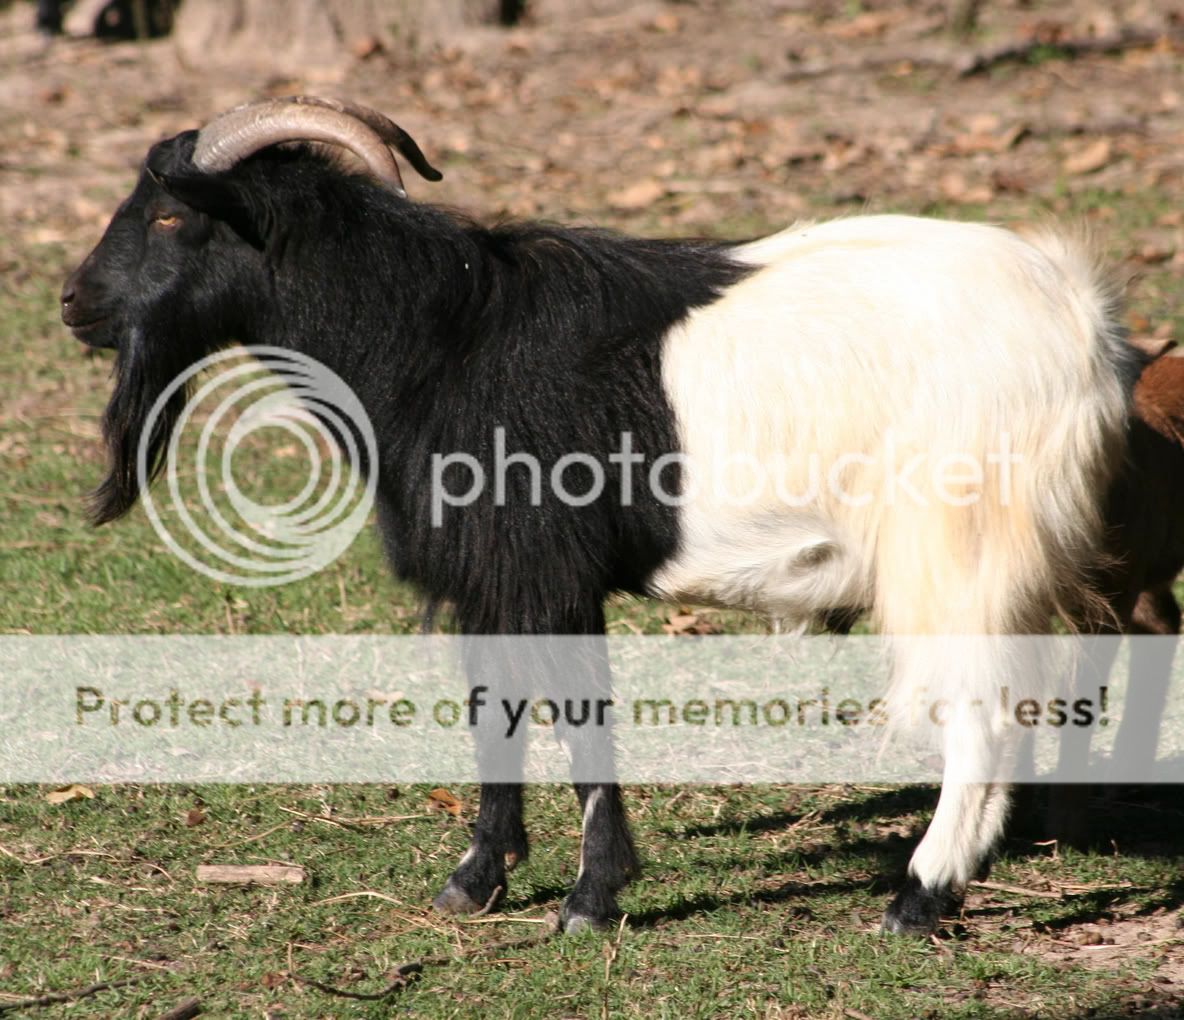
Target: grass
757 901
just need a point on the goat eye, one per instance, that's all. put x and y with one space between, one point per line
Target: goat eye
167 221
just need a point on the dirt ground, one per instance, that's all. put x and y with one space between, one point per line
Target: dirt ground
710 116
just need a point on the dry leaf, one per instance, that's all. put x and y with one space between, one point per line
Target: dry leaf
366 46
954 187
637 195
1150 254
65 794
194 816
442 800
1093 157
681 624
867 24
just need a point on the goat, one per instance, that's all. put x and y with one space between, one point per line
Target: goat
1145 542
816 345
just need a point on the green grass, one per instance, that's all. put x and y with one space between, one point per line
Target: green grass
758 901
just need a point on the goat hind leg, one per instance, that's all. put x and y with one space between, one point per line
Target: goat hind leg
956 847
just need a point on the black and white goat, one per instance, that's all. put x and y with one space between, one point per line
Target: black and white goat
813 347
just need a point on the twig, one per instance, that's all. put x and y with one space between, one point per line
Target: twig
854 1014
357 824
327 819
489 902
183 1010
402 976
52 998
977 63
1126 38
251 839
1019 890
409 970
364 893
610 956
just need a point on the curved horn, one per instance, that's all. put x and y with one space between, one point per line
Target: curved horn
384 127
245 130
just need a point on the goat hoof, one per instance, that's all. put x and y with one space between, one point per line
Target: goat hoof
454 900
916 910
573 923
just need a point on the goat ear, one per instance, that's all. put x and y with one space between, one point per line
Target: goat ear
218 198
199 191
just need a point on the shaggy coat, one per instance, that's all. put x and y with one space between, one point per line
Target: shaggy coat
816 355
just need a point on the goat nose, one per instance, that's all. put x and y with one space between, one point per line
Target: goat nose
67 292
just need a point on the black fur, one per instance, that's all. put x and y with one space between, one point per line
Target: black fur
445 330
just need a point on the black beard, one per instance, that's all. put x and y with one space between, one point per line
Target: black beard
140 378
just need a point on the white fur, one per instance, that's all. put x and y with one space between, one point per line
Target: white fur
935 340
590 806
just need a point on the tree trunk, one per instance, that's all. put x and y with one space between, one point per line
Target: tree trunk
303 34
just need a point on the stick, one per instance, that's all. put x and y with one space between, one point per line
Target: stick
75 993
183 1010
410 970
610 956
489 902
1019 890
976 63
250 874
1124 39
402 976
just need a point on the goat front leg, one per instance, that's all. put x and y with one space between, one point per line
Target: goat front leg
498 844
499 840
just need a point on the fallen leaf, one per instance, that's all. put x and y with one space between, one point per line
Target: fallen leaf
1093 157
637 195
867 24
273 979
440 799
65 794
688 624
955 188
366 46
194 816
1150 254
667 22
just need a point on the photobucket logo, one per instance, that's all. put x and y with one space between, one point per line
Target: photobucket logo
239 539
894 473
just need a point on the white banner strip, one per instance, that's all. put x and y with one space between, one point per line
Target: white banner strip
700 710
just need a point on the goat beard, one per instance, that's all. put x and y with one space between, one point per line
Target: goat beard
139 382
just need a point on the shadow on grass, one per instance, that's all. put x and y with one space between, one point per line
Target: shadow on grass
1147 818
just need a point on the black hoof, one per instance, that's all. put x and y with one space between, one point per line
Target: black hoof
916 910
454 900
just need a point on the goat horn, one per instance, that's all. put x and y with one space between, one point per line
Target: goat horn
381 125
245 130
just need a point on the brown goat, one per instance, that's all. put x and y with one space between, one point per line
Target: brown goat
1145 528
